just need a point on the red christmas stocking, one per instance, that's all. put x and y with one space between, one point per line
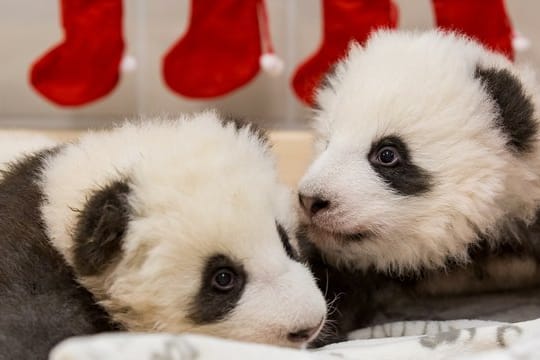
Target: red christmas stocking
484 20
85 66
220 50
344 20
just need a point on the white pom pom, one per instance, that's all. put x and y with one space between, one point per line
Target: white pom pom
128 64
520 43
271 64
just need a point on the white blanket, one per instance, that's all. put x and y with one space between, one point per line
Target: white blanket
500 341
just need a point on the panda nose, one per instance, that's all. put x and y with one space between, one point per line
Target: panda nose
302 335
312 204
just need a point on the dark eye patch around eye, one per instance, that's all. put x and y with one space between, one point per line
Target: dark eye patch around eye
211 305
406 178
286 242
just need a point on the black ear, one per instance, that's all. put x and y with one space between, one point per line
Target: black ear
99 233
516 110
240 123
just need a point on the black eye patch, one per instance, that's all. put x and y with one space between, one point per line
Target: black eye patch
222 285
404 177
286 242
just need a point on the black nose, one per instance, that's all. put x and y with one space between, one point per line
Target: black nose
312 204
302 335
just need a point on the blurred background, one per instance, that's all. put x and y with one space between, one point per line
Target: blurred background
28 28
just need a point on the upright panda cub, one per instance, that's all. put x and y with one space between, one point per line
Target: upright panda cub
427 175
176 226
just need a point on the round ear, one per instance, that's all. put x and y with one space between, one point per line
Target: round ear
240 124
101 228
516 109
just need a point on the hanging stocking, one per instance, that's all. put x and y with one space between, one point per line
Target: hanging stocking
221 49
85 66
484 20
344 20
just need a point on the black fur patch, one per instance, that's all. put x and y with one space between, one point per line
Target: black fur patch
101 228
241 123
351 293
515 106
517 238
405 178
211 305
286 242
41 303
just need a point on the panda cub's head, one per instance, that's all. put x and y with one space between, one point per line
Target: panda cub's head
427 142
181 226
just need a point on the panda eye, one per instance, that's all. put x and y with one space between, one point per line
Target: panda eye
388 156
224 279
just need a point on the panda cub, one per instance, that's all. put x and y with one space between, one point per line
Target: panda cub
427 176
173 226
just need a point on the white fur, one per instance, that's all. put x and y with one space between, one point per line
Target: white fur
421 87
197 188
271 64
16 145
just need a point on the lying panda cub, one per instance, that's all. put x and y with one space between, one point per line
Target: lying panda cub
427 177
174 226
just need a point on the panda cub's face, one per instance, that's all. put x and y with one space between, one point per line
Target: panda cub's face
424 142
193 231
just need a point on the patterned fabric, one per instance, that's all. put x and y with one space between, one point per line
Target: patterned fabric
499 341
